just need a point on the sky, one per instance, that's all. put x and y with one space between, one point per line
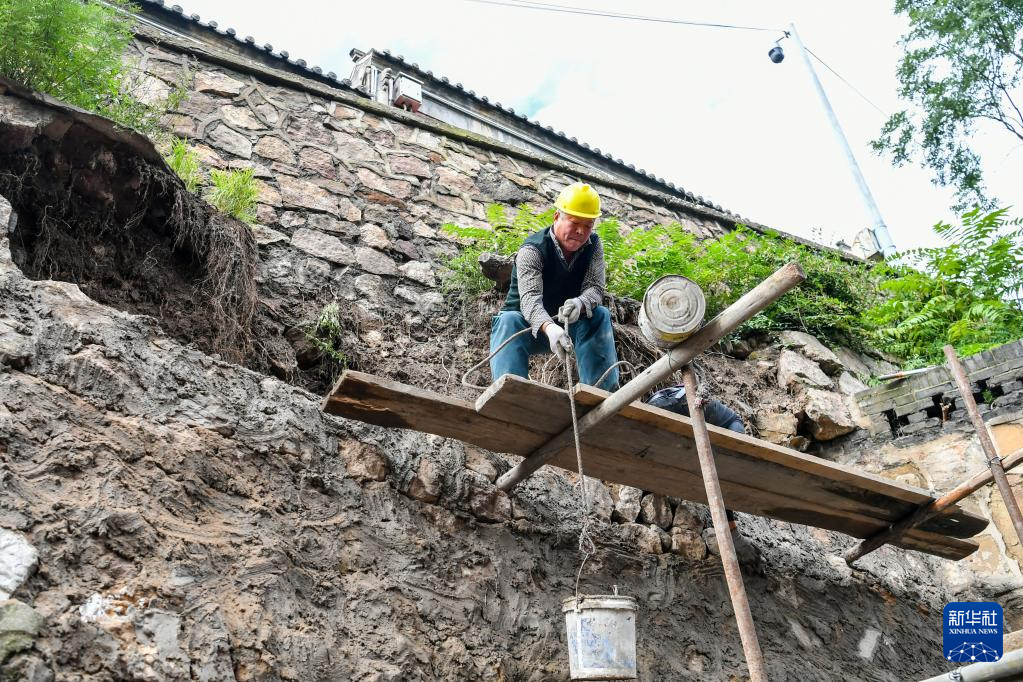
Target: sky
701 107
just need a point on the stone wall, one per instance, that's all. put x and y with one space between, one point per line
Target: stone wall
942 461
188 519
913 430
919 433
352 197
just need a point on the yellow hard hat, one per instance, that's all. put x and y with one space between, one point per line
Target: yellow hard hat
579 200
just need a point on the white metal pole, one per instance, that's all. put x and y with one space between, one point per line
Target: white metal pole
880 229
1008 667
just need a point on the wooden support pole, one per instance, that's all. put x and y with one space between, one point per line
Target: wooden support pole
756 300
993 461
716 502
895 532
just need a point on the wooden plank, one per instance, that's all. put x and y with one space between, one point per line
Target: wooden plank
517 400
613 448
644 454
668 480
392 404
747 459
383 402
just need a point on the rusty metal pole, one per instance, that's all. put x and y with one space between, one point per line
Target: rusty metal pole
993 460
716 502
895 531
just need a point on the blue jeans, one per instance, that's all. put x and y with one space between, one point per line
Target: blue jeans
594 346
715 412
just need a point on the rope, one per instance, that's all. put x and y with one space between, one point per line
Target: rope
465 377
586 545
620 363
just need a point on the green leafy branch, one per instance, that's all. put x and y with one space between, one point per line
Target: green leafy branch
828 305
74 50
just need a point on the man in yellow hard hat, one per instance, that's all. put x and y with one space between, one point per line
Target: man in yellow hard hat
559 273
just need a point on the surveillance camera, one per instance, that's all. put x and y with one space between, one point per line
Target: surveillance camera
776 54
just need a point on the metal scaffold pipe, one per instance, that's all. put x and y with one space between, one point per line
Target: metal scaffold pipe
716 502
1010 667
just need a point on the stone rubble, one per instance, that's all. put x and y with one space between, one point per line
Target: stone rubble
18 557
655 510
627 502
795 370
827 413
813 350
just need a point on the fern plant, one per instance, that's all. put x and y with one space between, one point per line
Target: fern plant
234 193
966 293
463 278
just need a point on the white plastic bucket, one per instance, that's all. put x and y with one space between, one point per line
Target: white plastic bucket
673 308
601 633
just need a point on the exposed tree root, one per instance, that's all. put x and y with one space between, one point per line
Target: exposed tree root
96 211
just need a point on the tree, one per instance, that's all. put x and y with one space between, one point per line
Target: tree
961 66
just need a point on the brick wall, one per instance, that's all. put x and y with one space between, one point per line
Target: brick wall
923 405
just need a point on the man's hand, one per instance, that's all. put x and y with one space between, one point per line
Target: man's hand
561 343
572 309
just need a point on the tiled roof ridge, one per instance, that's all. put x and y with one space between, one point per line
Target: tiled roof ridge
250 43
484 100
317 72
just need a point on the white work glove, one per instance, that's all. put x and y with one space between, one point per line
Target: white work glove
572 309
561 343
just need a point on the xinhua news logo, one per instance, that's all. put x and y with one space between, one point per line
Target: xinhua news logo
973 632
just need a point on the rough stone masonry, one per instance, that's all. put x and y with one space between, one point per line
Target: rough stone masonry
192 519
196 520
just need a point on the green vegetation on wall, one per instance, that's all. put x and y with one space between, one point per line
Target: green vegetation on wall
464 280
827 305
232 192
327 334
74 51
965 294
185 162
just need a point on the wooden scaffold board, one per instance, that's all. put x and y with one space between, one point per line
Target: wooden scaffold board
652 449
